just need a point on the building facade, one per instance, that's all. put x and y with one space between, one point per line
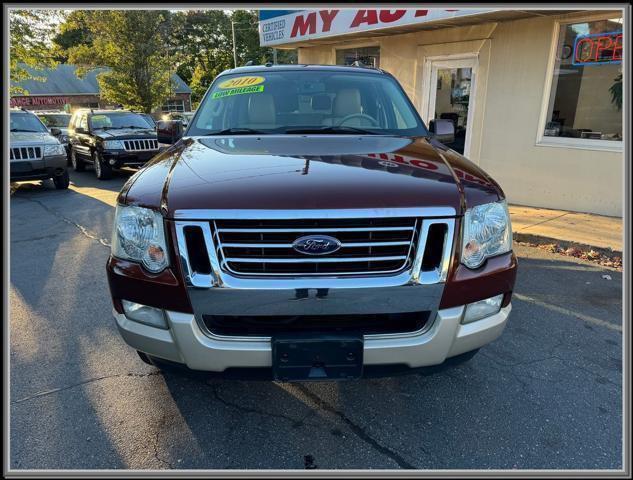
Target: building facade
61 89
535 96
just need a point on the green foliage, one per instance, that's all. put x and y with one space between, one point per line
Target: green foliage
72 32
205 45
29 33
134 45
616 92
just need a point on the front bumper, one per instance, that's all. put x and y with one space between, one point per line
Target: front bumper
122 157
185 343
38 169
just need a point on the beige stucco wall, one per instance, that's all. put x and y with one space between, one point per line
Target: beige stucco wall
512 64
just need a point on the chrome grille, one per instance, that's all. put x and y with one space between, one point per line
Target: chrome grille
249 248
140 145
264 247
25 153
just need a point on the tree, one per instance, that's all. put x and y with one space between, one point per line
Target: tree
29 33
135 45
72 32
204 45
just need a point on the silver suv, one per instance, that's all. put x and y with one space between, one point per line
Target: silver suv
34 153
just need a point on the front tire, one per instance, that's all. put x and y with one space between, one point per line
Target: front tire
103 169
62 181
77 163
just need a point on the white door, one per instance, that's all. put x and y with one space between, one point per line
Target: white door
450 94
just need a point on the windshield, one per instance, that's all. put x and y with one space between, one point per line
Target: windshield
118 120
25 122
55 120
308 101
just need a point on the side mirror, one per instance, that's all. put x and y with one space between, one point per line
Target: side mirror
443 130
55 131
80 130
169 131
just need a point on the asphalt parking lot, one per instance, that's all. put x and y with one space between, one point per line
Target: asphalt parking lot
546 394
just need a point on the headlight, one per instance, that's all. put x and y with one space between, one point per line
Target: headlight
139 235
50 150
113 145
487 232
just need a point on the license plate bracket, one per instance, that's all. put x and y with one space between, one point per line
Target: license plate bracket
317 357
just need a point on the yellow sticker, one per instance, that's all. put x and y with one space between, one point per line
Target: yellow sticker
242 82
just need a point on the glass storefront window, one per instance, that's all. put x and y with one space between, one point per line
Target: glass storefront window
368 56
586 96
173 106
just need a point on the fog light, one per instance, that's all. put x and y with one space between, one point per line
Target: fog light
154 317
112 162
482 309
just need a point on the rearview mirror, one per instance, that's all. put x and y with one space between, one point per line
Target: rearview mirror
55 131
443 130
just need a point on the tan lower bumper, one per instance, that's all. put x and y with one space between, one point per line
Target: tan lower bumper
185 343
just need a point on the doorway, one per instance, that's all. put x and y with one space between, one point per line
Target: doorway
450 95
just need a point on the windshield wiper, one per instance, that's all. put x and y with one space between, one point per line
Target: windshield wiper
238 131
23 130
331 129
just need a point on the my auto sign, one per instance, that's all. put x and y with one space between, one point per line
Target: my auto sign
311 24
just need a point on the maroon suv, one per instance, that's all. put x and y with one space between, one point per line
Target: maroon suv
309 226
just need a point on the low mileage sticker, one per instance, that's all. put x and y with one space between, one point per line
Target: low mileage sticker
237 91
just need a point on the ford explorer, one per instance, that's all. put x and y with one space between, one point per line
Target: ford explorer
308 226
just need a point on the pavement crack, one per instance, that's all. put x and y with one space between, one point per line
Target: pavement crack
296 423
359 431
159 429
67 220
84 382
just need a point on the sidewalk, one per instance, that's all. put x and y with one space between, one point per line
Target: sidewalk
577 228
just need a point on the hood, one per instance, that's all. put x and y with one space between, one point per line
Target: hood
31 138
308 172
126 133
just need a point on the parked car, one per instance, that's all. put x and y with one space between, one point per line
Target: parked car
57 121
309 226
149 119
185 117
110 139
34 153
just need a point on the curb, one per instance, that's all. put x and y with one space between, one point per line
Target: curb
605 257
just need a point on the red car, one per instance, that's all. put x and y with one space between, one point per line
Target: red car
308 226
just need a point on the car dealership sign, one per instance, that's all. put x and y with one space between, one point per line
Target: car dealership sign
303 25
31 101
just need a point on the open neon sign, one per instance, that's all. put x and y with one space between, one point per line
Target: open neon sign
598 48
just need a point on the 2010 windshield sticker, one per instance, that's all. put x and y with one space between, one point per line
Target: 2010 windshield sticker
241 82
237 91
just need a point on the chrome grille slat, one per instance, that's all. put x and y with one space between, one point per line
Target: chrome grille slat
313 230
289 245
25 153
140 145
313 260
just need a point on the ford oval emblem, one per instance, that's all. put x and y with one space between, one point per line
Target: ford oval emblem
316 245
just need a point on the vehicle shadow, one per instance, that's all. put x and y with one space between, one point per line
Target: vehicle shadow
64 349
530 391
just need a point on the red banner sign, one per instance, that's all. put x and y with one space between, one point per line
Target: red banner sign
29 101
